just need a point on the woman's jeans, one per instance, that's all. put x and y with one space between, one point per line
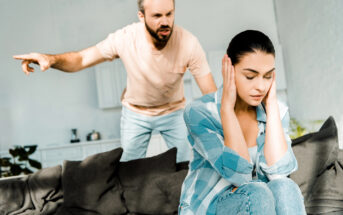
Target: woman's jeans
279 196
136 129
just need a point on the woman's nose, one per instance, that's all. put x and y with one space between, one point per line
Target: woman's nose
260 85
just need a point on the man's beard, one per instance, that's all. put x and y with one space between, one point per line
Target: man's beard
164 38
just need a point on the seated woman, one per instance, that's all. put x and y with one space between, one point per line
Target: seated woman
242 153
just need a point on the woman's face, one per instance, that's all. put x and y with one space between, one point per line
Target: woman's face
254 76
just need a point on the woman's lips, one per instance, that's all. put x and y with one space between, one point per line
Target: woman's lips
257 97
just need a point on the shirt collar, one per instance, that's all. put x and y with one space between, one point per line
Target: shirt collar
260 109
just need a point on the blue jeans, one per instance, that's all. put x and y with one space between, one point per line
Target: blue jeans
280 196
136 129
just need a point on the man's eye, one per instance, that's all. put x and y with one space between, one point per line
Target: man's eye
249 78
268 77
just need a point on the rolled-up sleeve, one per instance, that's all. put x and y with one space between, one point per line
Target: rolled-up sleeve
288 163
206 140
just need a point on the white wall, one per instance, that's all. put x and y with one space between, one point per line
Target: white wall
42 108
311 33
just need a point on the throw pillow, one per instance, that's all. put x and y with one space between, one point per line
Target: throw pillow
170 185
137 179
314 153
182 165
327 193
91 186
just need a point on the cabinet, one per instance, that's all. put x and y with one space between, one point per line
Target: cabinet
55 155
51 156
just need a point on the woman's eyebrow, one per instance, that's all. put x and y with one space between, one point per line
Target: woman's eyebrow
257 72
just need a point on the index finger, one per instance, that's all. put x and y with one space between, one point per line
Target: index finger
22 57
228 65
224 66
228 61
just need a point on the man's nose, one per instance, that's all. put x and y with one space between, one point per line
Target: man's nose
164 21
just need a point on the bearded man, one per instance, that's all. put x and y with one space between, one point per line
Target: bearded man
156 54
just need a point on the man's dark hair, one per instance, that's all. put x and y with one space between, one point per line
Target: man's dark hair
249 41
141 5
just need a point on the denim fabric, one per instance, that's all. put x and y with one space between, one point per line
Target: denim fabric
280 196
136 132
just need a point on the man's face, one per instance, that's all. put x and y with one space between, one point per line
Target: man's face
159 18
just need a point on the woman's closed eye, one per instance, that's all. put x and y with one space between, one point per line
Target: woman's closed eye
269 74
252 77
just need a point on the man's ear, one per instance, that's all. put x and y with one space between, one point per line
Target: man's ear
141 16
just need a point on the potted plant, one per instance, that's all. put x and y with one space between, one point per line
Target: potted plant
19 163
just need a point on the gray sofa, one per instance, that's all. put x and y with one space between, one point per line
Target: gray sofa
102 185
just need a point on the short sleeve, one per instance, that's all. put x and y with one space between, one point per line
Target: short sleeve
198 64
109 47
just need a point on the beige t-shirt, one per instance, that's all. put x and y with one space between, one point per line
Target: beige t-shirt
154 78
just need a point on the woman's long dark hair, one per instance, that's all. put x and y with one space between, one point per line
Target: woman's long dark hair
249 41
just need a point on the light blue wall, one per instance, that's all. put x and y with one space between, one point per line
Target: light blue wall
42 108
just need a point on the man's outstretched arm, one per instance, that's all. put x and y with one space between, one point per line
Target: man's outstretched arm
66 62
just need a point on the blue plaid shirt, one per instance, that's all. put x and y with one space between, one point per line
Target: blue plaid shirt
214 167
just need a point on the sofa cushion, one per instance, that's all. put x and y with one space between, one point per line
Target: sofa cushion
91 186
138 179
15 195
45 188
314 153
170 185
182 165
327 193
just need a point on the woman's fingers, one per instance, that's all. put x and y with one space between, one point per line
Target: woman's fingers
271 94
233 89
228 66
229 86
232 77
273 86
224 68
